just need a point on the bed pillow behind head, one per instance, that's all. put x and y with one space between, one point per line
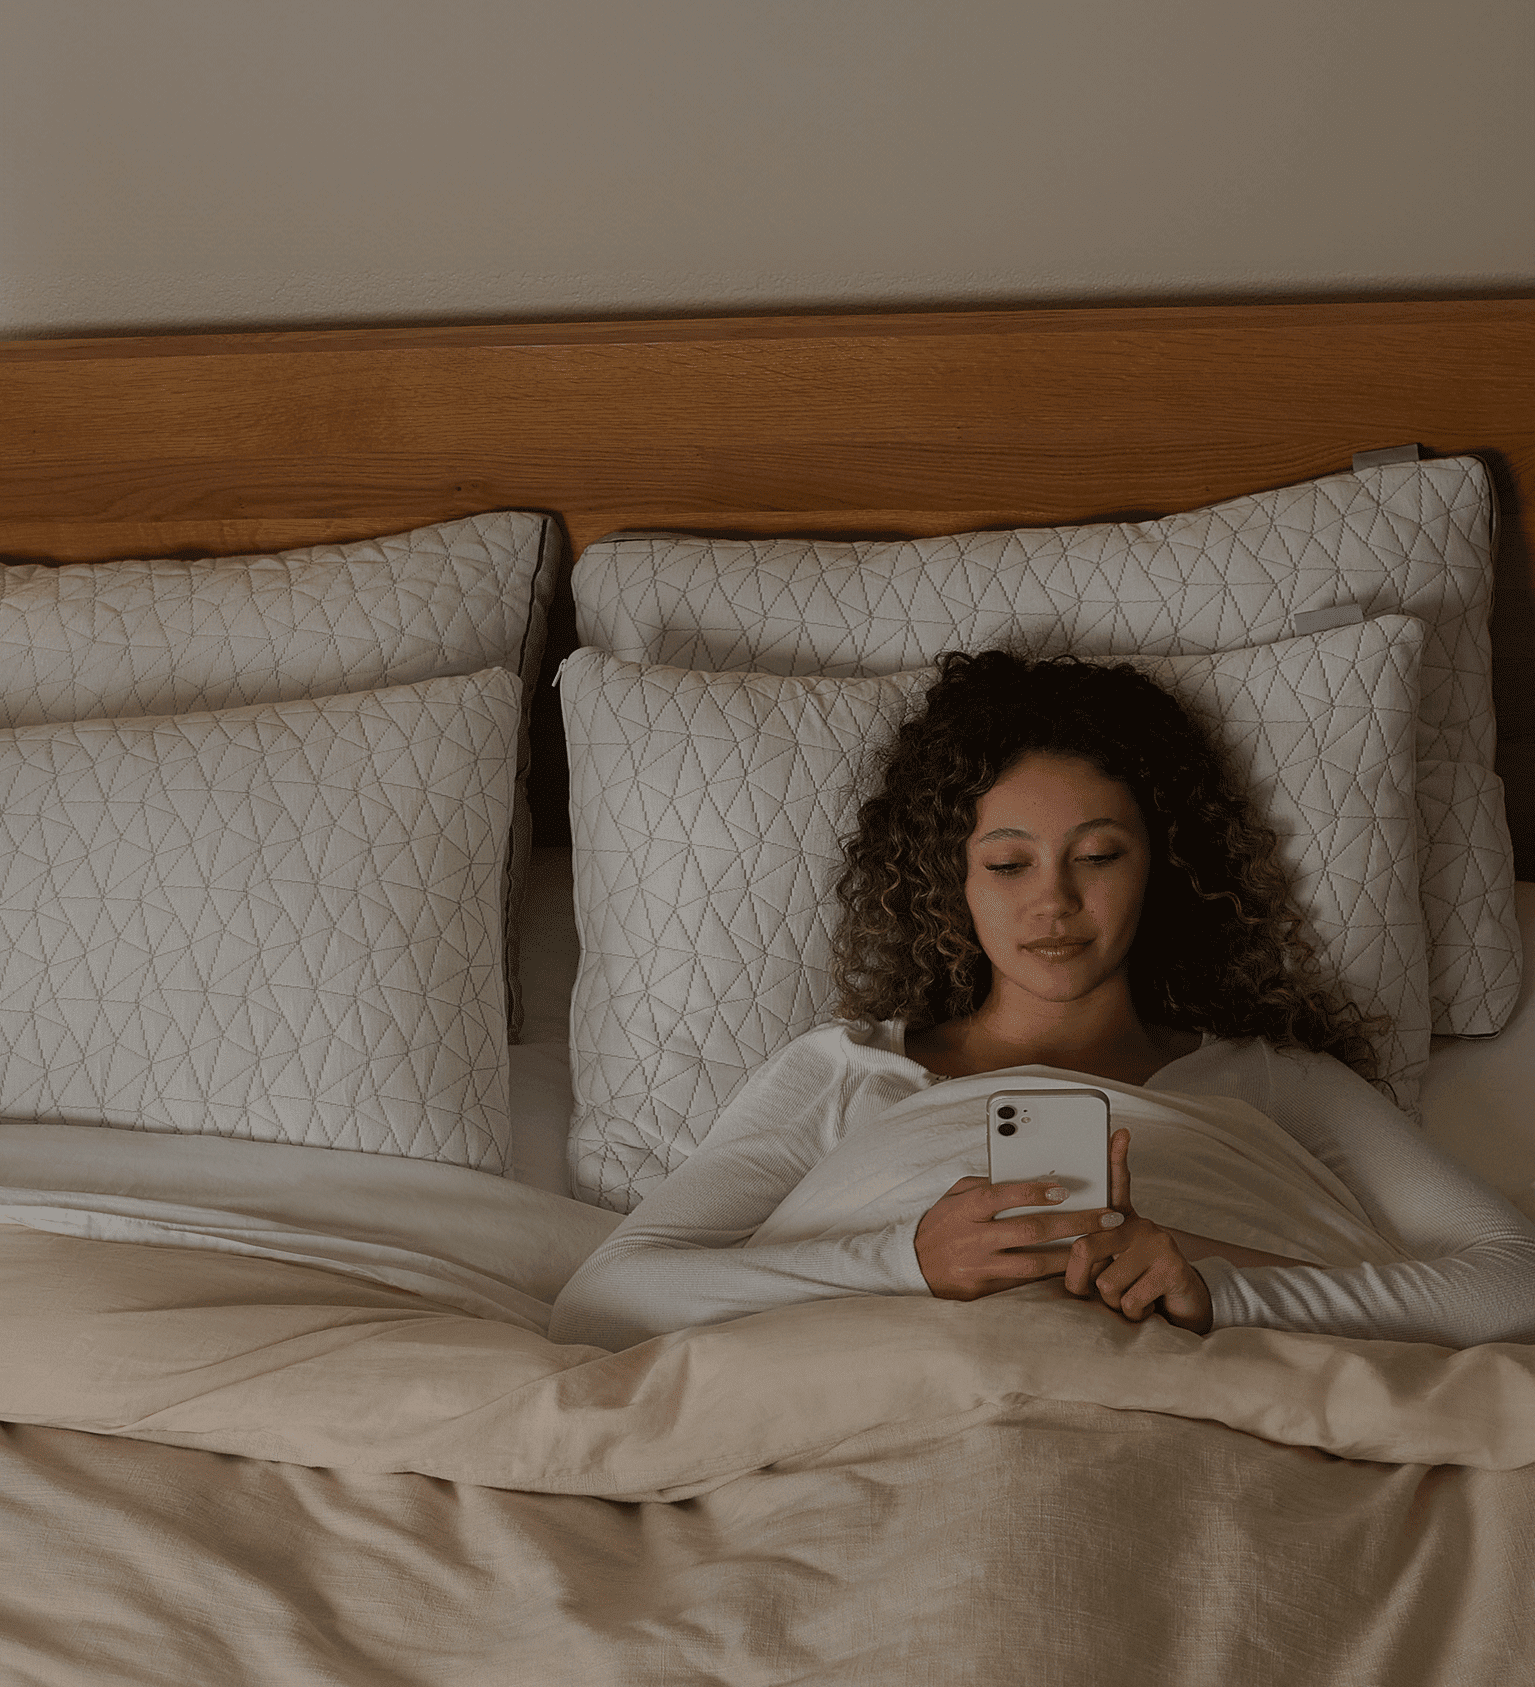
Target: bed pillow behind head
88 641
1410 538
281 922
706 813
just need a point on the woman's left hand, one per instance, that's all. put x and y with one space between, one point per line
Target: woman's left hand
1139 1267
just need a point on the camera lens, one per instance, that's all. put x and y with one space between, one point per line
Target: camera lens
1006 1112
1007 1129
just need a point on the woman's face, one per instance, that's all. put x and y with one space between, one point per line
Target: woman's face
1056 872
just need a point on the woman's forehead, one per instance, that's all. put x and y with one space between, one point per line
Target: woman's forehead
1043 793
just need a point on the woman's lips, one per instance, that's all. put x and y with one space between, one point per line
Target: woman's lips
1056 948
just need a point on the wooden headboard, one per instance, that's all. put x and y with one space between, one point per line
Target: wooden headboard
867 424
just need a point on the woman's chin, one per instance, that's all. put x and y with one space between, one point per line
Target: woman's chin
1058 990
1068 978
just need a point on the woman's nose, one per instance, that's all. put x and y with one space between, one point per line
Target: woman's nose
1057 889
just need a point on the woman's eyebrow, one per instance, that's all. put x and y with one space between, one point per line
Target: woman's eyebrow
1018 832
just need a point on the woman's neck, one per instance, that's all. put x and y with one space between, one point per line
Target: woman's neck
1102 1037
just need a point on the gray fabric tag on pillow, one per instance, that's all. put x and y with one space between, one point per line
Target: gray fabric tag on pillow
1391 454
1320 620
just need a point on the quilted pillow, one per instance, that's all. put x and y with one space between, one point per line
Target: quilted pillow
706 811
280 922
95 640
1411 538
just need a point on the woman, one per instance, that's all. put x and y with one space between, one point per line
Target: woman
1057 871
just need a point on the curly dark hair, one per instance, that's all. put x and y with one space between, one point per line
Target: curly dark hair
1219 945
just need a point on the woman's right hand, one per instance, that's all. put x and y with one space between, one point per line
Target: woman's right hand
963 1250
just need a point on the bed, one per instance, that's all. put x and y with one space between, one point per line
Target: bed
282 1214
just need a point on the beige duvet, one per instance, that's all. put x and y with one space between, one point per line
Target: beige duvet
293 1473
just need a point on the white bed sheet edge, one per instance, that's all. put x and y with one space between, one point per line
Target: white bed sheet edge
484 1244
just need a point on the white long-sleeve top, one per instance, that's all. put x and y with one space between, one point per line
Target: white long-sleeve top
678 1259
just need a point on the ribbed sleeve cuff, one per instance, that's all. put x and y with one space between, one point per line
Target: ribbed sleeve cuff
1227 1306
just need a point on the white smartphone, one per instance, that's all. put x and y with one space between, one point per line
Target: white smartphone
1062 1135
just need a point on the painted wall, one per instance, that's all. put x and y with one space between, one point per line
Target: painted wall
169 164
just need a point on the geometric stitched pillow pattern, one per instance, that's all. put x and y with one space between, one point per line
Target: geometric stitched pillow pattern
281 922
706 813
1411 538
89 641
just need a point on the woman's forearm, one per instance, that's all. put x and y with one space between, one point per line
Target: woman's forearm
629 1291
1201 1247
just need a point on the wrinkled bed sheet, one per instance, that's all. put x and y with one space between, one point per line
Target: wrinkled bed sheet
1056 1545
372 1467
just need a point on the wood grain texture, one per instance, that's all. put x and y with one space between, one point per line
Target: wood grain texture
849 424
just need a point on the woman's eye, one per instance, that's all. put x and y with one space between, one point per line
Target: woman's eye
1010 868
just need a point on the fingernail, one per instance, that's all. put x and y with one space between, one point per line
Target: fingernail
1055 1193
1111 1221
